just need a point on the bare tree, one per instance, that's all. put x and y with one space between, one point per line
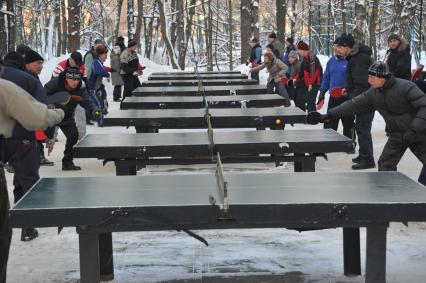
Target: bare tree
139 23
404 14
74 24
164 34
281 19
181 34
343 8
11 30
361 28
64 23
130 20
118 6
231 36
373 25
246 33
19 21
58 31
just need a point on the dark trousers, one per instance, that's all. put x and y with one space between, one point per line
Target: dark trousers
41 149
117 92
422 177
24 156
280 89
291 92
363 122
394 150
348 122
130 84
306 100
5 230
69 128
255 76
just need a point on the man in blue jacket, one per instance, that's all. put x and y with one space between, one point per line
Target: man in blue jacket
334 80
255 58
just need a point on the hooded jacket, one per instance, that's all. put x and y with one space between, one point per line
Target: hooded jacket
399 60
401 103
276 69
359 60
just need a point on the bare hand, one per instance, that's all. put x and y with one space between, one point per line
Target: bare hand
135 73
344 92
309 88
50 144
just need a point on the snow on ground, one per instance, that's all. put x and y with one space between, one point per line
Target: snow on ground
252 255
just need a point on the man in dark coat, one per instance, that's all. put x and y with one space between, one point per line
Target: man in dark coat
255 58
399 57
403 107
70 81
359 60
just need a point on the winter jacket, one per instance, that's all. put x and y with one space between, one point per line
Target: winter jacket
401 103
279 48
62 66
359 60
79 97
399 61
97 72
13 71
334 74
129 62
18 106
88 61
276 69
116 78
294 69
256 55
311 69
287 52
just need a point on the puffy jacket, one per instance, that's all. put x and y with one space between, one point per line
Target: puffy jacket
311 69
129 62
63 65
97 72
359 60
401 103
81 95
334 74
256 55
116 78
399 61
88 61
276 69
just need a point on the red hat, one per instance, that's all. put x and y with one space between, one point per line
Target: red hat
302 46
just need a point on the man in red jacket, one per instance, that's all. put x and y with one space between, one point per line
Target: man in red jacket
75 60
311 73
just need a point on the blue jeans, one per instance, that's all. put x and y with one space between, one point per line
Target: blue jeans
422 178
363 122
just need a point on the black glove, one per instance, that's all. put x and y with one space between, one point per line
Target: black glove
325 118
409 138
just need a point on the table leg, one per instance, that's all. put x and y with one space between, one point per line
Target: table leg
304 163
351 251
141 130
106 258
122 169
89 258
376 254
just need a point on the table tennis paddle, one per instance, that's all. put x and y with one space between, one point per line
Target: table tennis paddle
320 104
336 92
313 118
59 98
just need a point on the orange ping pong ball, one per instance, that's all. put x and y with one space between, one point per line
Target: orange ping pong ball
278 121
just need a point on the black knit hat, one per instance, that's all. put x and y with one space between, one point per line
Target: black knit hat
290 40
131 43
13 56
394 36
346 39
22 49
73 73
77 57
32 56
379 69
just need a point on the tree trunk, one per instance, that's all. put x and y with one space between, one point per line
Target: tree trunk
245 28
51 28
148 35
190 12
310 21
361 28
174 23
73 25
373 25
293 18
3 27
208 34
343 8
19 22
255 18
119 5
404 13
58 28
281 19
164 34
231 36
64 23
139 24
11 27
130 20
181 34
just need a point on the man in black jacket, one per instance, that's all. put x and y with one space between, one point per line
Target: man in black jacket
21 150
70 81
359 59
403 107
399 57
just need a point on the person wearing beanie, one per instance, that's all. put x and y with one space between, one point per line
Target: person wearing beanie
359 60
293 74
311 72
277 70
398 57
289 46
278 47
255 58
75 60
17 106
403 107
334 81
130 68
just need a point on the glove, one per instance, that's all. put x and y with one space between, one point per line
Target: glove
320 102
325 118
96 113
409 138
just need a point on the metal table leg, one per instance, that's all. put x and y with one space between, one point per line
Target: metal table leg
106 258
376 254
123 169
351 251
304 163
89 258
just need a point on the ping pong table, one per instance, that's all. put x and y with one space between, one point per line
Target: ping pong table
194 76
187 102
153 120
194 90
199 72
132 151
98 206
193 82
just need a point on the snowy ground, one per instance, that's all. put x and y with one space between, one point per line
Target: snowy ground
255 255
